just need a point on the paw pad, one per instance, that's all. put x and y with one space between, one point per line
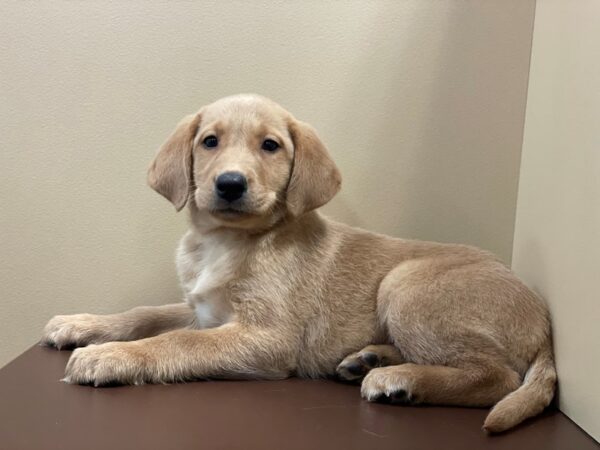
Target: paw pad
356 366
398 397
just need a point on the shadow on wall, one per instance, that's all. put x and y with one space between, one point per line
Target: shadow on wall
455 134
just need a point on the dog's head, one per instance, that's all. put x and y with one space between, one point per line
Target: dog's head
244 162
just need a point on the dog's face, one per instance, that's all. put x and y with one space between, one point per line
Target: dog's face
244 162
242 158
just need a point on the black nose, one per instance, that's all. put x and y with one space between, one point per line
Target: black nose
231 185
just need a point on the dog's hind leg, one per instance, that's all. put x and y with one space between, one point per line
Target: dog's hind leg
478 385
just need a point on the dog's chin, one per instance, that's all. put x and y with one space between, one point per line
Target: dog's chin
243 217
231 214
246 214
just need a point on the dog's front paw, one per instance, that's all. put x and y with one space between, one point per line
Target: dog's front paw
75 330
106 364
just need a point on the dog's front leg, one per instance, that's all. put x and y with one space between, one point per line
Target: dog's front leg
78 330
229 351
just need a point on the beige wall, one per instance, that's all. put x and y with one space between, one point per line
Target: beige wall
557 233
421 102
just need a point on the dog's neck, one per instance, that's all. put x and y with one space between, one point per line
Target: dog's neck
209 259
224 250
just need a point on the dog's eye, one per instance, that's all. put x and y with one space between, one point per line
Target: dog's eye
210 141
270 145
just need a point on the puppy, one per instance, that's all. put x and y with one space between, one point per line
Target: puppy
273 289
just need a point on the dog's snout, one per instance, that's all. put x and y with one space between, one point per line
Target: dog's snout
231 186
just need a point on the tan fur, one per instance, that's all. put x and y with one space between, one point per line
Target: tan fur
170 172
279 290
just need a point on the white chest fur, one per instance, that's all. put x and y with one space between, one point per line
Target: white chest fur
206 264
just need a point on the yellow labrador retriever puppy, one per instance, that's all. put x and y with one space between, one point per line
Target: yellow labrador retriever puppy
274 289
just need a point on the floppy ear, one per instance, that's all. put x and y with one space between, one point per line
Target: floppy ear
170 174
315 179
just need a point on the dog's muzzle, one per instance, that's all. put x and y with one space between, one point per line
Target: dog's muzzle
231 186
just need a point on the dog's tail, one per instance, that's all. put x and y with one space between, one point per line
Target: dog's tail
530 398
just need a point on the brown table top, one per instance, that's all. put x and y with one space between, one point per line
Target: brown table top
39 412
